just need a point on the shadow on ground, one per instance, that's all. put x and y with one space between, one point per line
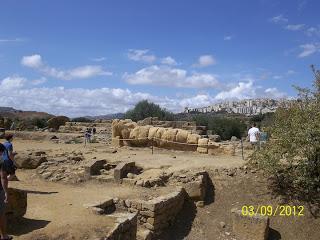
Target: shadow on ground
26 225
183 223
39 192
210 192
274 234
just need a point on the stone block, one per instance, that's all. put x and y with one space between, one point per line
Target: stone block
196 190
17 206
94 167
249 228
122 169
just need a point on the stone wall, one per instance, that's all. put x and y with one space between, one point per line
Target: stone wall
156 214
125 228
129 133
101 127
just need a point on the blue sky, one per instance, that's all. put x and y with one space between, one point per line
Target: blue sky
97 57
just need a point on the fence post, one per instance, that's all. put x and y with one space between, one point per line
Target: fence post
152 146
242 149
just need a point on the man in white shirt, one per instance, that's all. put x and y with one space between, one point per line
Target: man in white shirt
254 135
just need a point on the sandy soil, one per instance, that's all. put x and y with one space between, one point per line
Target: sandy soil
56 209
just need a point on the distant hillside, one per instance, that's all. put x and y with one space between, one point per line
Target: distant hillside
107 116
12 113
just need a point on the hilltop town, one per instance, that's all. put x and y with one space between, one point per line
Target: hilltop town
248 107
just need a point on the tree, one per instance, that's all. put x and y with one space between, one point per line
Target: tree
58 121
292 157
81 119
144 109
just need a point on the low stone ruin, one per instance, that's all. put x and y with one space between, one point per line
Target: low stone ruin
63 168
101 127
153 216
125 227
129 133
17 205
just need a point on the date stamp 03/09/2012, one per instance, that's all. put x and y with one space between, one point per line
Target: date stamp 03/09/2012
269 210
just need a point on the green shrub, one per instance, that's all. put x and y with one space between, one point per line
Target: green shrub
292 157
144 109
223 126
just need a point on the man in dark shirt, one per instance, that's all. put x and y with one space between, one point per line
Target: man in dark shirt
3 197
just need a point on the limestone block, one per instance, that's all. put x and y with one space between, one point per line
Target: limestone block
249 228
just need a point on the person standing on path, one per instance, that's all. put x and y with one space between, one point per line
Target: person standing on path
3 197
254 136
8 157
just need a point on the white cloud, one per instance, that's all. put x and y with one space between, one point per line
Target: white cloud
241 91
173 77
309 49
274 93
313 31
11 40
33 61
168 61
279 19
87 71
246 90
205 60
80 102
227 38
141 55
296 27
11 83
98 59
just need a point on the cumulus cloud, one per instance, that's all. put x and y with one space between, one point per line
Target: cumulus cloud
296 27
205 60
274 93
99 101
168 76
279 19
80 102
13 82
246 90
87 71
141 55
168 61
309 49
32 61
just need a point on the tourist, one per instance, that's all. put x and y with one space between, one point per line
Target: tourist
94 130
87 137
3 197
8 158
254 136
